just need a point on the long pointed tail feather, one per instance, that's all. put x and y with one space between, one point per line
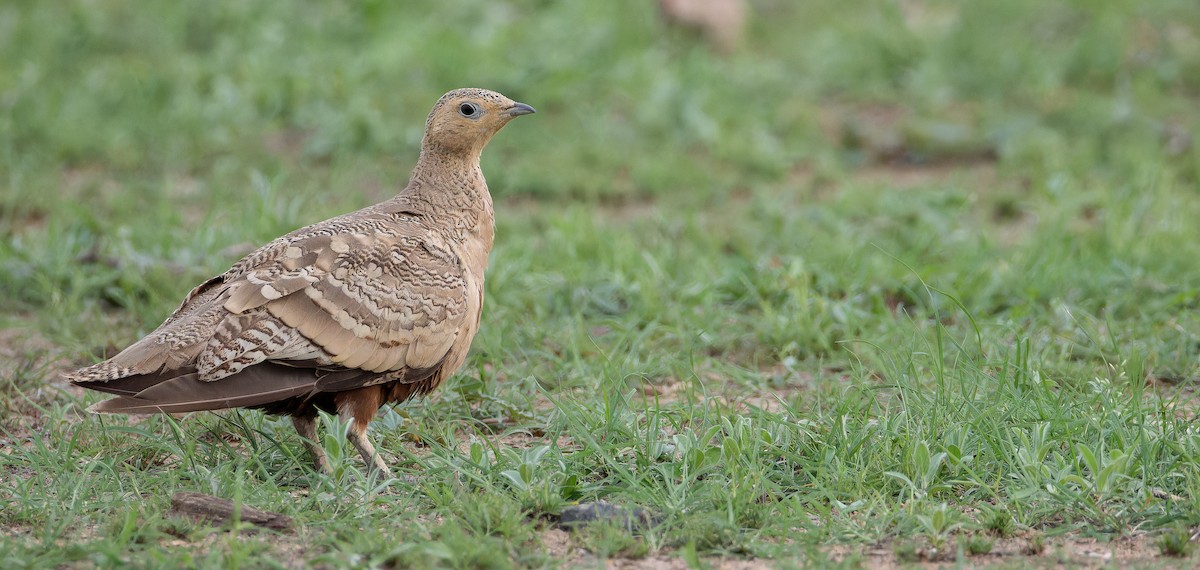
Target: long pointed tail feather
256 385
130 385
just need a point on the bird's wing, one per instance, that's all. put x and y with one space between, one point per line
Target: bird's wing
348 303
381 299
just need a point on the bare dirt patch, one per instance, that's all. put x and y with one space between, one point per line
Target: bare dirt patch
1181 397
1019 552
1069 551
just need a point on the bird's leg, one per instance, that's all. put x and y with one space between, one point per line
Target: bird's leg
306 426
359 407
358 437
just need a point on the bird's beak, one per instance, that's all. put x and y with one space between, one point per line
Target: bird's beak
519 109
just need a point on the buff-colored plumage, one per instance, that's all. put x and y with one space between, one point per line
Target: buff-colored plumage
346 315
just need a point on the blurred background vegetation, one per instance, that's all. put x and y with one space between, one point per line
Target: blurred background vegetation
168 137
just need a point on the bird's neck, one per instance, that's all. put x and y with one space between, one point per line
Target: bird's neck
450 186
450 180
436 160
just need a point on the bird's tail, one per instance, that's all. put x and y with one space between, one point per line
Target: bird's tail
165 393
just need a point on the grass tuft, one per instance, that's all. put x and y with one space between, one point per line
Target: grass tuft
1176 542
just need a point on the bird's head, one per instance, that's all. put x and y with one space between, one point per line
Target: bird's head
464 120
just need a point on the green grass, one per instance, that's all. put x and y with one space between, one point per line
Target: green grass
921 274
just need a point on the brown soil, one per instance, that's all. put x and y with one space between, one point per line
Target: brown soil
1063 552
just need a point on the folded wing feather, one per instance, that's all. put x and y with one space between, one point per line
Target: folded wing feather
343 306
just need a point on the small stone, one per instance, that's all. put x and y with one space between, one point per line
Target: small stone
631 518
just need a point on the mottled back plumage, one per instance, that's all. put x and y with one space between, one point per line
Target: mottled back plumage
345 315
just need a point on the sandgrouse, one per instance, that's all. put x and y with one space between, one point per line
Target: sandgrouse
347 315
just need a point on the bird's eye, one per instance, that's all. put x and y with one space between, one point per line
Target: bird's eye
468 110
